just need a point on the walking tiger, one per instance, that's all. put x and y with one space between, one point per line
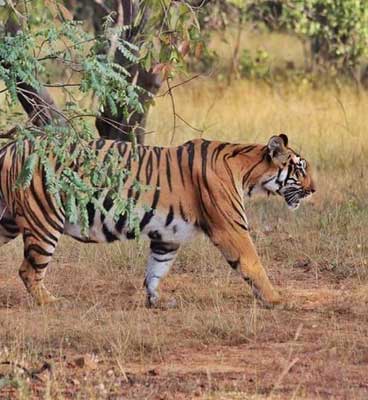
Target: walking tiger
199 186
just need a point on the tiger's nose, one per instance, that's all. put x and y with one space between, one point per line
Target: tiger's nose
312 190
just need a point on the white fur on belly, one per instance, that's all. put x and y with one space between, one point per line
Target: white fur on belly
177 231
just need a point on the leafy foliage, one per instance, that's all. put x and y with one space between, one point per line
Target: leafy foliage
255 67
172 34
338 28
94 179
49 37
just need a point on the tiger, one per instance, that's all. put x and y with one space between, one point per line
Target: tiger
199 186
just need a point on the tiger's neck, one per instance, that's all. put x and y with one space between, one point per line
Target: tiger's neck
249 164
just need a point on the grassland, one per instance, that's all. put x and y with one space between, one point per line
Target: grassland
218 343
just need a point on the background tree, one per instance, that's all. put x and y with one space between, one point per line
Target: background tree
337 30
42 46
160 35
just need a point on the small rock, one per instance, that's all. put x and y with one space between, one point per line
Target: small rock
88 361
153 372
304 263
102 389
172 303
267 229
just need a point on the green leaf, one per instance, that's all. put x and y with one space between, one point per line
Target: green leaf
26 175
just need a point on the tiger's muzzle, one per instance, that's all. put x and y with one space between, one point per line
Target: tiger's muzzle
293 195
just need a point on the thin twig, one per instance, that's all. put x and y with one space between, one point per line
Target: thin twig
117 125
43 103
188 124
289 363
57 85
284 373
61 85
67 48
169 91
178 84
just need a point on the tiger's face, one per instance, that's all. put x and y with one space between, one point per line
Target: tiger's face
291 177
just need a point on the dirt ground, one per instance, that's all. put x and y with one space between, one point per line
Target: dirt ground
313 347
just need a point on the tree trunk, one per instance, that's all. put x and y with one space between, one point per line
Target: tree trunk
37 103
118 126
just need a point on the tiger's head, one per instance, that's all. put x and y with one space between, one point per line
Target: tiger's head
289 174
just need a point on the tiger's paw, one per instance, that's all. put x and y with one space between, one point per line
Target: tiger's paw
155 302
274 300
152 301
43 297
47 300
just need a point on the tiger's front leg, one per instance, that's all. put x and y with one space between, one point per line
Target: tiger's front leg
240 252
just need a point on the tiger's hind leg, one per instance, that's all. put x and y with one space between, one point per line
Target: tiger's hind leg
160 260
37 255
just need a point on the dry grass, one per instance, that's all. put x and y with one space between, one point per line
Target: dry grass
218 343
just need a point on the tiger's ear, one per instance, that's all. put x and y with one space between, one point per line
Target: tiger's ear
284 138
277 149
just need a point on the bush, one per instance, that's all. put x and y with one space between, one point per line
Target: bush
254 67
338 29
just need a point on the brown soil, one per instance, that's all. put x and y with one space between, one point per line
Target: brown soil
315 346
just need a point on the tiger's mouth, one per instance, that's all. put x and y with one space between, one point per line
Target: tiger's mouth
293 196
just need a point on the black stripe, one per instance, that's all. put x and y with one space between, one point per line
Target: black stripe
157 151
107 205
219 148
182 213
121 222
141 154
130 234
204 152
168 171
149 214
9 225
202 204
149 168
91 213
154 235
100 143
110 237
242 150
108 152
39 229
179 153
247 175
122 148
191 153
51 201
159 247
234 264
162 260
48 218
170 216
244 227
36 248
